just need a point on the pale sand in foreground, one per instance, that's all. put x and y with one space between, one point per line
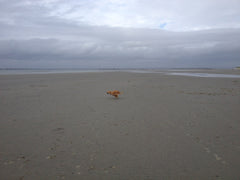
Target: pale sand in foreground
62 126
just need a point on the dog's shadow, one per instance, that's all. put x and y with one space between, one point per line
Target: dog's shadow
115 99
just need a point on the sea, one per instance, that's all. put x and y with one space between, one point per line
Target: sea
173 72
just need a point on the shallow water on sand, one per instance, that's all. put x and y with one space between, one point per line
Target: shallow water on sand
205 75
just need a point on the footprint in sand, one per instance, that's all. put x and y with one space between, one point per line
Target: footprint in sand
58 130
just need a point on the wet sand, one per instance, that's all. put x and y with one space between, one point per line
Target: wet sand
62 126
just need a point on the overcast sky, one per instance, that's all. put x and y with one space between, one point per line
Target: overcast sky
119 33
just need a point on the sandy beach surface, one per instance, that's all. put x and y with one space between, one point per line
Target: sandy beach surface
63 126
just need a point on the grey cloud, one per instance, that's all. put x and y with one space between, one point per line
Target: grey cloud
123 47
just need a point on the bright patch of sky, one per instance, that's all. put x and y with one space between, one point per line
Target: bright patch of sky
174 15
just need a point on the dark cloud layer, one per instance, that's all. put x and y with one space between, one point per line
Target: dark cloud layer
33 38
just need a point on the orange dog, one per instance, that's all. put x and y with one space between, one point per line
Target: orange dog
114 93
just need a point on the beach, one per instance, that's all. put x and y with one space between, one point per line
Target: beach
64 126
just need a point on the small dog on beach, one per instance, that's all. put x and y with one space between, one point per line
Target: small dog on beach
114 93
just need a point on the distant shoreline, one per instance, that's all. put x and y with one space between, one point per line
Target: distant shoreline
4 71
94 69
